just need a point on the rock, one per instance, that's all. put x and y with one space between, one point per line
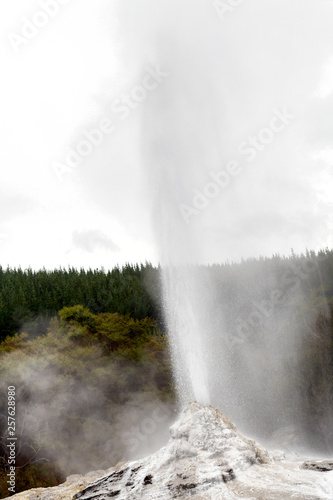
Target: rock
324 466
65 491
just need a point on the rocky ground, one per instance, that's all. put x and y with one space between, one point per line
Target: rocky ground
205 458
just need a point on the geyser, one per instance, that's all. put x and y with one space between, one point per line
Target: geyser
226 83
186 331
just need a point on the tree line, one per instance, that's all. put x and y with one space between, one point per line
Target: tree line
28 299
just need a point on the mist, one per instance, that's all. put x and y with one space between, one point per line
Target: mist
229 149
73 411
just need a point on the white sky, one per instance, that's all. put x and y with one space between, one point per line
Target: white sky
47 94
62 82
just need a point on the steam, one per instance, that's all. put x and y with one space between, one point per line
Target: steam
67 409
226 82
227 147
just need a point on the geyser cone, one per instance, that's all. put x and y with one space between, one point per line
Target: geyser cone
205 450
207 458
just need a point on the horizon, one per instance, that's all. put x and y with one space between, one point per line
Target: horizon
158 265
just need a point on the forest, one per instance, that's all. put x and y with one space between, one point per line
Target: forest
30 298
88 354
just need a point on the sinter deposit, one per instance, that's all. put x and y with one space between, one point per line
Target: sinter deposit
205 458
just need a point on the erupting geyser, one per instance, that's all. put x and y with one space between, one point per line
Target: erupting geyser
223 185
186 332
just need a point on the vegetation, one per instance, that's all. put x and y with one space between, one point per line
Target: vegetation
75 387
29 299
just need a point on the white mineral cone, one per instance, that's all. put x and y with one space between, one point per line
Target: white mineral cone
207 458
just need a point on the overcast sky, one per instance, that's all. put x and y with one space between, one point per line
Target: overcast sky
178 90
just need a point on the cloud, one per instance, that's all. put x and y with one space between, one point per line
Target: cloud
325 87
92 239
12 206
